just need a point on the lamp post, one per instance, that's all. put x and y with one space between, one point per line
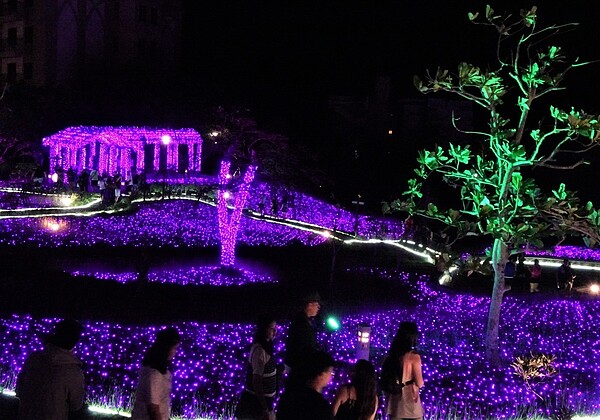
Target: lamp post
166 140
363 344
357 203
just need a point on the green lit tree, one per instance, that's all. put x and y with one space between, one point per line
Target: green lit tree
493 177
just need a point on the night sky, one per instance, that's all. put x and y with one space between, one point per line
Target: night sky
265 51
285 59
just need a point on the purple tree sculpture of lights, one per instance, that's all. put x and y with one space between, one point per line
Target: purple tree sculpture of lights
229 224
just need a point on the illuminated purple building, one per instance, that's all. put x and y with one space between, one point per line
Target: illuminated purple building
121 149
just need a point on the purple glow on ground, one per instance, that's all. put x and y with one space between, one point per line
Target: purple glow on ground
571 252
209 367
191 276
301 207
168 224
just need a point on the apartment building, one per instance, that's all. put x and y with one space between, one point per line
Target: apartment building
48 42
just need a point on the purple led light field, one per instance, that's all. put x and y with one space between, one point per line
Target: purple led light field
209 367
301 207
191 276
176 223
571 252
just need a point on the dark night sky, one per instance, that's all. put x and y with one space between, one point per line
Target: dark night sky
267 51
284 59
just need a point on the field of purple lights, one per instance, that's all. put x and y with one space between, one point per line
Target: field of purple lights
159 224
209 367
190 276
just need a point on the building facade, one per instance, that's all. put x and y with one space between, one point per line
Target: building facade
125 149
48 42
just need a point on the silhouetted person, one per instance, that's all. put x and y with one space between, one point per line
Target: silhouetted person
83 180
153 392
357 400
565 276
536 276
522 273
304 400
94 176
51 383
510 271
260 387
402 400
302 334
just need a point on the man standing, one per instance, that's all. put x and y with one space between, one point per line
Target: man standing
305 401
51 383
565 276
302 335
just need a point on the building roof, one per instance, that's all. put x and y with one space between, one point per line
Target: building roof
120 136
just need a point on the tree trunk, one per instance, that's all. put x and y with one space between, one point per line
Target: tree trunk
499 259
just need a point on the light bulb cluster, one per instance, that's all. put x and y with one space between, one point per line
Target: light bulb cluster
189 276
229 224
209 368
297 206
112 149
570 252
177 223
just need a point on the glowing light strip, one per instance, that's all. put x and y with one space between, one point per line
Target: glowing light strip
313 228
83 206
579 265
397 244
105 410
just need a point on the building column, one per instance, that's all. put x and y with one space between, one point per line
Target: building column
140 158
125 161
157 146
114 155
102 158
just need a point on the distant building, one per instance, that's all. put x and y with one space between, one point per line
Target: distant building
47 42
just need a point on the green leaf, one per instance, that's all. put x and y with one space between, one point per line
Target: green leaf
522 102
561 193
536 242
419 84
432 209
516 180
472 16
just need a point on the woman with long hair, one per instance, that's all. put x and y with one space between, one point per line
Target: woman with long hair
404 403
357 400
260 387
153 392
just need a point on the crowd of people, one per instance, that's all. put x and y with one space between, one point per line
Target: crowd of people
110 187
516 271
51 384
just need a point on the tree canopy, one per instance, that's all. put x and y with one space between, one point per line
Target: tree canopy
494 177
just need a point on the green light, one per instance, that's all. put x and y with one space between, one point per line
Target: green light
333 324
